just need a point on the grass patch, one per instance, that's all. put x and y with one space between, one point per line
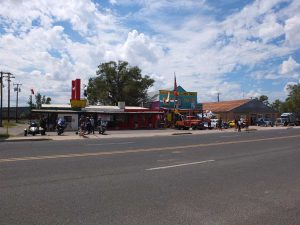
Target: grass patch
4 136
13 123
9 124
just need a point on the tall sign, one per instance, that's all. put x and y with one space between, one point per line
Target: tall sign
75 100
183 99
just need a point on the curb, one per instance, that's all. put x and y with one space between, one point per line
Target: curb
30 139
181 133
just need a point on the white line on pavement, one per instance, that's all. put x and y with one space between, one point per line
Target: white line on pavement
185 164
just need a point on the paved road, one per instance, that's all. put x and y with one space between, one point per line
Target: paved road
225 178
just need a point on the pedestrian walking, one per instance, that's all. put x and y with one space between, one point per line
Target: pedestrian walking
220 123
235 124
247 124
239 125
82 121
88 125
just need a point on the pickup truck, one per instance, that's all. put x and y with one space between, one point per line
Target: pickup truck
188 122
289 119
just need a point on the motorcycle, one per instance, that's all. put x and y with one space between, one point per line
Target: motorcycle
60 126
33 129
102 127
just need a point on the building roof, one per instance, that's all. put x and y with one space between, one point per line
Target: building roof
224 106
60 106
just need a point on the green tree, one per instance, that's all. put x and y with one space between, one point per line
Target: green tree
264 99
117 81
39 100
30 102
292 102
277 105
46 100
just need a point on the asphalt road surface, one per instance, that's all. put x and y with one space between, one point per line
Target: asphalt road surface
224 178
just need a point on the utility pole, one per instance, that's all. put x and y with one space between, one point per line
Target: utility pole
18 90
1 80
218 94
8 76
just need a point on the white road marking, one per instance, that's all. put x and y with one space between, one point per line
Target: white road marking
185 164
113 143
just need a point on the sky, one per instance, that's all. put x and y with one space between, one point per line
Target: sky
238 48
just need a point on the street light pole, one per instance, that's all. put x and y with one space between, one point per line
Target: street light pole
18 90
1 80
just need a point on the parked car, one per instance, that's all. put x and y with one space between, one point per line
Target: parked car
189 122
264 122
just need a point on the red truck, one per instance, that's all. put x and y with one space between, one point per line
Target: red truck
188 122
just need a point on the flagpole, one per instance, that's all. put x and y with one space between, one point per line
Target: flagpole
174 93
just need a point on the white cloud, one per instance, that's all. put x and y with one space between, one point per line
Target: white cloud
253 94
270 28
113 2
292 28
269 75
138 49
290 67
36 43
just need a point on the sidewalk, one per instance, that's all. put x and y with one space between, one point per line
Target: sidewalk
17 133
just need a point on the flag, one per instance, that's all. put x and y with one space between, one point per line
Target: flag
32 91
175 86
168 98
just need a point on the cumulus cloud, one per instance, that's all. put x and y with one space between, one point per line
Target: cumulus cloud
292 28
290 67
61 40
139 49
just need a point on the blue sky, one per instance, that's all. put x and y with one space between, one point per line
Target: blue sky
241 49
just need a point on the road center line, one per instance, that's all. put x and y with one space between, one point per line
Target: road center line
119 152
178 165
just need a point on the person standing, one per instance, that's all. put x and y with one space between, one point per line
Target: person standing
82 125
239 124
43 125
247 124
220 123
92 121
235 124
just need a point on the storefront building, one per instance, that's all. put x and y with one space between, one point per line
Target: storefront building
117 117
251 109
176 103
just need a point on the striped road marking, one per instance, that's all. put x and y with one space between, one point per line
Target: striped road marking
178 165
